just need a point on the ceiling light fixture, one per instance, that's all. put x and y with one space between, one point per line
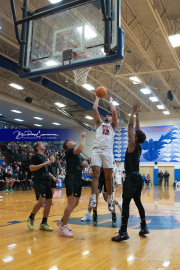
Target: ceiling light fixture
15 111
160 107
88 87
20 120
17 86
89 117
145 91
166 112
57 124
61 105
153 99
37 125
175 40
54 1
38 118
135 80
115 103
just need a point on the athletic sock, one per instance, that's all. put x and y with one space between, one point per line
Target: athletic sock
94 213
44 220
32 216
93 196
113 215
143 223
89 213
110 197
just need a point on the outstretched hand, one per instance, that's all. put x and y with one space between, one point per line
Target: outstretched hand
84 135
136 108
110 99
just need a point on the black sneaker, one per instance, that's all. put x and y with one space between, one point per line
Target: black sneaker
120 237
95 220
144 230
114 221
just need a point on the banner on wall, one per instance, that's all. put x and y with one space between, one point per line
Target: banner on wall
162 144
38 134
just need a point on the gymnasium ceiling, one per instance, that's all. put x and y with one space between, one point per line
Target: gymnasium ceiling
147 25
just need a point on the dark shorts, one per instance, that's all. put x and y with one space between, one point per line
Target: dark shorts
102 183
53 184
73 183
132 186
43 188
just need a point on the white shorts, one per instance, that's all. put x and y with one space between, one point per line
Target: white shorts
102 158
119 181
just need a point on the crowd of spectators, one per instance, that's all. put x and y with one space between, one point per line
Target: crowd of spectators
14 165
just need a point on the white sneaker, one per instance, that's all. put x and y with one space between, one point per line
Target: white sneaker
120 206
87 217
92 202
59 223
64 231
110 202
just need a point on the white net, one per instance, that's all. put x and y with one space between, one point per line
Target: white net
80 75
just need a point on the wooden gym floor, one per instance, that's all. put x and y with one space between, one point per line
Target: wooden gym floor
91 247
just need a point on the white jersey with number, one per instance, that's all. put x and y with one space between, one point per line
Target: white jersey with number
118 172
104 138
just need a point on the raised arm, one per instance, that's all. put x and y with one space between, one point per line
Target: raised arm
80 148
131 144
97 117
114 114
137 122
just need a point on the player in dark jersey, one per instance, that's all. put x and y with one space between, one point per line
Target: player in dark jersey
73 181
101 188
54 170
42 185
133 183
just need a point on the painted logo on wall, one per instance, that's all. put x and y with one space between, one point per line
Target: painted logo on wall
162 144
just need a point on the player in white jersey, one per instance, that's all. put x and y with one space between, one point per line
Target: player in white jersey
102 154
118 175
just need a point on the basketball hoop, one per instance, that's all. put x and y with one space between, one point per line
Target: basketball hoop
80 75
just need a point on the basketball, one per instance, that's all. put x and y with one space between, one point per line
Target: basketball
101 92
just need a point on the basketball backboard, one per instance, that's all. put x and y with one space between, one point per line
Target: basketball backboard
70 35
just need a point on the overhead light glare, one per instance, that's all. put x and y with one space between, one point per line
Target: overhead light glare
89 33
145 91
38 118
57 124
89 117
175 40
15 111
17 86
19 120
88 87
153 99
61 105
135 80
115 103
166 112
160 107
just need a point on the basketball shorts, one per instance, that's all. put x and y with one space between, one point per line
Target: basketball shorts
132 186
53 184
102 158
119 181
73 183
43 188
